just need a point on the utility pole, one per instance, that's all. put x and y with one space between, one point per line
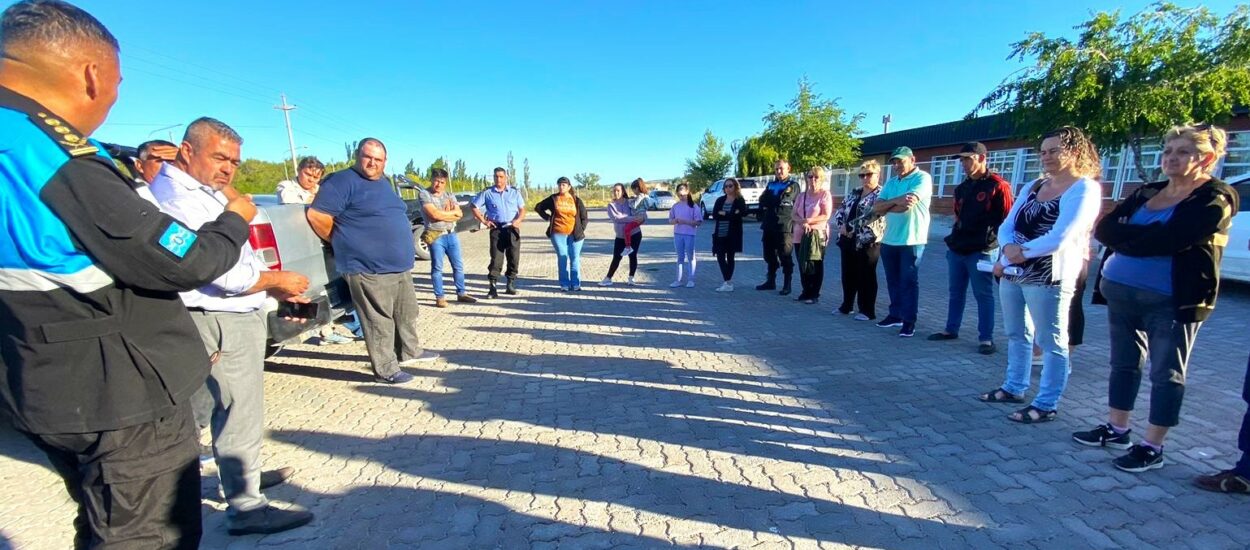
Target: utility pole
885 121
286 113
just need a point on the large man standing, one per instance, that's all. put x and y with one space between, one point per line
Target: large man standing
904 200
982 200
100 358
776 208
505 210
440 211
359 212
228 313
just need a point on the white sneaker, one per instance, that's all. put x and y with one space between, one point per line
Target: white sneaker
605 282
690 283
861 317
725 287
675 284
626 251
630 282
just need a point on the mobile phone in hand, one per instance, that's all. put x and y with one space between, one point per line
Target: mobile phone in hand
298 311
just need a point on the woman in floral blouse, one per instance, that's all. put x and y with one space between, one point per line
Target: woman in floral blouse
859 239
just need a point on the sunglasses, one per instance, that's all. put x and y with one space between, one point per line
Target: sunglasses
867 174
813 177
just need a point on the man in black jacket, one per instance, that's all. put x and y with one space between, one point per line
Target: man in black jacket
99 357
776 206
982 201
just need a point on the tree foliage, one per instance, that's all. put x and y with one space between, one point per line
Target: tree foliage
525 173
586 180
756 157
1128 81
710 162
812 131
511 170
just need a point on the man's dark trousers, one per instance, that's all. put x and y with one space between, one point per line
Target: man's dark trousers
505 242
136 487
778 251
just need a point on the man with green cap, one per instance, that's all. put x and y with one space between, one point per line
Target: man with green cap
904 201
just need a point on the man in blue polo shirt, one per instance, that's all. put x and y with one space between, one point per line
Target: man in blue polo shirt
504 211
904 201
359 212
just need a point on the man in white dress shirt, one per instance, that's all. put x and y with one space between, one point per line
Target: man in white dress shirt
228 313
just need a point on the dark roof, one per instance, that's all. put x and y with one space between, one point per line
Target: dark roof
985 128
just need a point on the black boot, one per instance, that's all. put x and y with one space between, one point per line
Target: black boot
769 284
493 292
511 288
785 288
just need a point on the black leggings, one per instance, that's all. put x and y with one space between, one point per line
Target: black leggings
726 262
1076 313
811 276
617 247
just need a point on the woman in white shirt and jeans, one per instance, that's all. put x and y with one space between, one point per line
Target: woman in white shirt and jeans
1046 236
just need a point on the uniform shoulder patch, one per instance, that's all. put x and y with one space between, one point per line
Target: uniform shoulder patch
177 239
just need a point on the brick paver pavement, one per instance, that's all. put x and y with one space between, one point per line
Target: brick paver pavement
642 417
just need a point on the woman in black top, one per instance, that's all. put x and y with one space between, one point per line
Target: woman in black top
727 217
1160 279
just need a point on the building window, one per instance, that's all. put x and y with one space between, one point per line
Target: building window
1151 155
947 173
1238 160
1032 166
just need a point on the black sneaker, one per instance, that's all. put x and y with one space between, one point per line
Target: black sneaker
908 330
400 377
1103 436
266 520
890 322
941 336
986 348
271 478
1140 458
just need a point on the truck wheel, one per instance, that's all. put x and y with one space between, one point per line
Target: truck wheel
423 251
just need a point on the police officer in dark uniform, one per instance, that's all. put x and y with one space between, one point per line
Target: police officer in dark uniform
776 207
98 357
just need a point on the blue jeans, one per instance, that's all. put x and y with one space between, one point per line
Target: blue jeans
962 269
568 259
446 246
1044 307
902 279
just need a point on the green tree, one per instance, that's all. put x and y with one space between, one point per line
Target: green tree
458 171
710 161
511 170
410 168
440 162
1127 82
812 131
755 158
526 172
586 180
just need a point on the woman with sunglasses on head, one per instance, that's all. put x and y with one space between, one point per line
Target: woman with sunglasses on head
1160 280
1045 240
859 234
727 214
812 208
686 217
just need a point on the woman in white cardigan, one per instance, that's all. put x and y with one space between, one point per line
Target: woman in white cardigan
1046 238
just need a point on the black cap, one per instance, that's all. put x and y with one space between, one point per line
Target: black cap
973 148
563 180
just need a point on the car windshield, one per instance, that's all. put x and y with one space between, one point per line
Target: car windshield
663 194
748 184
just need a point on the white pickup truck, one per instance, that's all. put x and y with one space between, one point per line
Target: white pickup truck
282 239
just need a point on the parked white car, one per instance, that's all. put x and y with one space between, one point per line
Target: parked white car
1236 263
751 189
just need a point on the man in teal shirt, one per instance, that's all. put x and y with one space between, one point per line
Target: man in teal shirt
904 201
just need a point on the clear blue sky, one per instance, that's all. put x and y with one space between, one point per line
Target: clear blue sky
624 89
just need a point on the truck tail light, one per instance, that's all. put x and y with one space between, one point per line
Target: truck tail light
265 246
